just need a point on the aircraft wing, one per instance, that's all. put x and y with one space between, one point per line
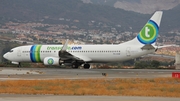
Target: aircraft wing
63 54
167 46
149 46
84 58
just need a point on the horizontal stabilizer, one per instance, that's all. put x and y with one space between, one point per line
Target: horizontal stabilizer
168 46
147 47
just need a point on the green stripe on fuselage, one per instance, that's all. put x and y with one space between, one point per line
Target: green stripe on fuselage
37 53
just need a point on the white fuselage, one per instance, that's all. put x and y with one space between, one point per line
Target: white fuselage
95 53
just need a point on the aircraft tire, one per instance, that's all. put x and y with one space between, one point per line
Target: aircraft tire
75 66
86 66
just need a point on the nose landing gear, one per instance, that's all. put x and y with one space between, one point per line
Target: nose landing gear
19 65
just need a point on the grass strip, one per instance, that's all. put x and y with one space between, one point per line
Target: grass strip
164 87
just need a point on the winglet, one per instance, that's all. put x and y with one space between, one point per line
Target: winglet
63 50
65 45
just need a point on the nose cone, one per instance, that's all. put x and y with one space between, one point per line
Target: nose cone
5 56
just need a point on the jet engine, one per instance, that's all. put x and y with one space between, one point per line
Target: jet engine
51 61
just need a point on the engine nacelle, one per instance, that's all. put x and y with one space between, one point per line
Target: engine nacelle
51 61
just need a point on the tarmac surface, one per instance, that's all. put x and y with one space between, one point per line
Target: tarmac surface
57 73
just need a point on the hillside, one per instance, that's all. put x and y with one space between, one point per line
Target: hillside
50 11
141 6
171 20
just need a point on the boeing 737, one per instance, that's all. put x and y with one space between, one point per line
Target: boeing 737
77 55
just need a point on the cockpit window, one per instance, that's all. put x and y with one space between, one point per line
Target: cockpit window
11 51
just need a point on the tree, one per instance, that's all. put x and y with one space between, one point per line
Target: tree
155 64
141 64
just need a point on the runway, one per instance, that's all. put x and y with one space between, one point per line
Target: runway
57 73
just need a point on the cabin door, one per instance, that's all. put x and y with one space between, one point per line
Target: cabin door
128 51
19 53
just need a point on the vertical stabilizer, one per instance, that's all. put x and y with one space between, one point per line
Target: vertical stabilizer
149 32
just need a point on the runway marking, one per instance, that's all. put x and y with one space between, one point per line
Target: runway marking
130 72
150 72
160 72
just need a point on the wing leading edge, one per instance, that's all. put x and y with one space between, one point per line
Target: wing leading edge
65 55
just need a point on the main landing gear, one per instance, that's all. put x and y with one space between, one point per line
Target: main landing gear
76 65
86 66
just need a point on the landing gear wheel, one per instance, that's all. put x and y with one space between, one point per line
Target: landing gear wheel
86 66
19 65
75 65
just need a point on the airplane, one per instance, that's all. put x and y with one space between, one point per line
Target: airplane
77 55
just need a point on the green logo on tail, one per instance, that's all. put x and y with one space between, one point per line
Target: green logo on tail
149 33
